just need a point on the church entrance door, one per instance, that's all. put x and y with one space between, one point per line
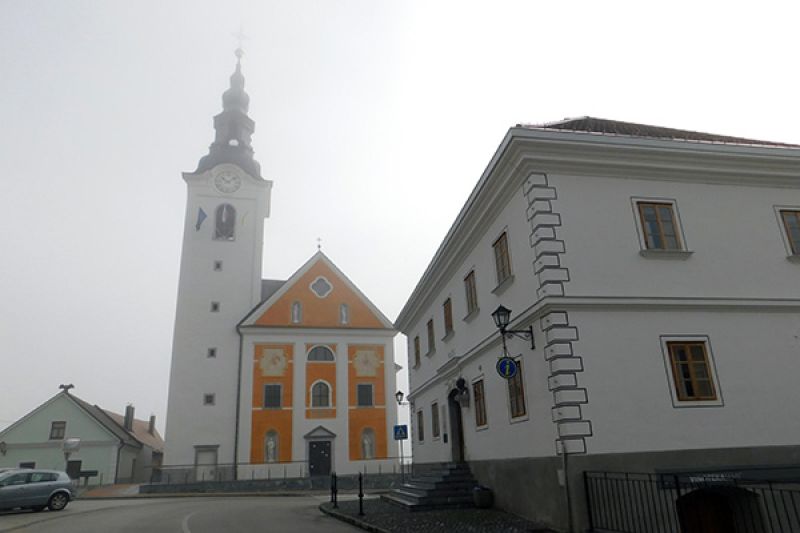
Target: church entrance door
457 443
319 457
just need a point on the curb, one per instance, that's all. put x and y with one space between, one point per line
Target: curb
351 520
165 495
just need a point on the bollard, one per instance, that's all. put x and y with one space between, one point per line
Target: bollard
360 494
334 491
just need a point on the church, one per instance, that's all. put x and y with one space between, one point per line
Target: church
268 377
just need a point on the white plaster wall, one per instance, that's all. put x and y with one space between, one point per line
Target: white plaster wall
517 296
237 288
755 354
733 231
300 425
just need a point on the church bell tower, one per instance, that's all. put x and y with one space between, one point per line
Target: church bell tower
220 282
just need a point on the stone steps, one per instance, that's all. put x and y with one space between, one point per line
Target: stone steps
449 485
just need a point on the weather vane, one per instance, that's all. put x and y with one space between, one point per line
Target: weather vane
319 244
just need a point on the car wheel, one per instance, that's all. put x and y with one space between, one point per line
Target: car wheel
58 501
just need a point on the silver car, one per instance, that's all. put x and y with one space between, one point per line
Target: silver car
35 489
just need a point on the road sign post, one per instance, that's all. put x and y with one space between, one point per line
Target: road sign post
401 434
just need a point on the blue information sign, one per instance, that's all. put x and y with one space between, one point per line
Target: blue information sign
507 367
401 432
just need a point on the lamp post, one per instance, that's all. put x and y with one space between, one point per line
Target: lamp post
399 397
502 317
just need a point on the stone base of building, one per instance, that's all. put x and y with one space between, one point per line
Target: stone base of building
535 488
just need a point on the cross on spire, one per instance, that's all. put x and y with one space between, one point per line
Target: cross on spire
319 244
240 39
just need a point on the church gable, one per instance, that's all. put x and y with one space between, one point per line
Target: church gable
319 295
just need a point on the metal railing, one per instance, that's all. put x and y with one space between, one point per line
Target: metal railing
675 503
184 474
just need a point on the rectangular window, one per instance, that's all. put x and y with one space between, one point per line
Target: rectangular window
516 393
58 430
217 266
448 316
502 262
691 372
420 426
364 393
431 344
209 399
435 419
214 307
659 226
480 403
212 352
416 351
471 292
791 223
272 396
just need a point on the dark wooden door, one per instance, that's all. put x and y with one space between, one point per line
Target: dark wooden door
319 457
74 469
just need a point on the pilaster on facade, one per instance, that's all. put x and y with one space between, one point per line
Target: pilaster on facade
560 335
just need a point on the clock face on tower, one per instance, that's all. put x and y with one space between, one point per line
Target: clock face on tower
227 182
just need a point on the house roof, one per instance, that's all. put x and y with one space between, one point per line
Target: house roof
270 287
141 431
601 126
111 422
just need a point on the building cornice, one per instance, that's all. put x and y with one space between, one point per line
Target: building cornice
525 151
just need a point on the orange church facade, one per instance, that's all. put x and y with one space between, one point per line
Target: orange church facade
319 379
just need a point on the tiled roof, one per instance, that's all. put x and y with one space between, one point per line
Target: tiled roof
140 431
630 129
270 287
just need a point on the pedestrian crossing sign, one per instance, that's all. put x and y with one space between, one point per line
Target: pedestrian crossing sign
401 432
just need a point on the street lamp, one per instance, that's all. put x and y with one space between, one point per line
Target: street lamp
399 397
502 317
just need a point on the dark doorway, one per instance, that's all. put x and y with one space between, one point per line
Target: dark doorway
456 427
74 469
319 457
720 510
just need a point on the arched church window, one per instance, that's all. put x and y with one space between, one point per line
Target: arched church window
368 444
297 312
344 314
225 223
320 394
271 447
320 353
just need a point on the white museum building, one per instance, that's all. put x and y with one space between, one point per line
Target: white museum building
659 270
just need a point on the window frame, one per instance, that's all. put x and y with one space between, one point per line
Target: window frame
792 248
471 293
447 312
431 337
516 394
645 250
435 427
58 430
479 400
417 352
502 258
371 394
420 426
264 397
218 213
315 348
209 398
328 396
672 377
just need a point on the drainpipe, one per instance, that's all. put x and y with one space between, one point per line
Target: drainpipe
567 496
238 402
119 451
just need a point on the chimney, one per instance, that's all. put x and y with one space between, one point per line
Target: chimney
152 428
128 421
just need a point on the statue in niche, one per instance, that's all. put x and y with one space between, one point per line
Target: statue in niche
271 455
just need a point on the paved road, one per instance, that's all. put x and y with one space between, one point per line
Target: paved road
295 514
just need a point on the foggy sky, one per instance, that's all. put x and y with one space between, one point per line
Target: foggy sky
373 118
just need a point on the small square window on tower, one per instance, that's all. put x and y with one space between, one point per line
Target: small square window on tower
209 399
217 266
215 307
212 352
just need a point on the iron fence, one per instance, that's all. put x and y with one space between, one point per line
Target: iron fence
683 503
